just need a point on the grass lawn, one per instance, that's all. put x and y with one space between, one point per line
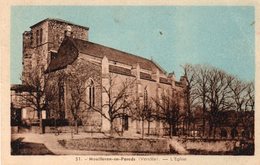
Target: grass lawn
25 148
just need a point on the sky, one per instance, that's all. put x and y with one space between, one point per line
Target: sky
223 37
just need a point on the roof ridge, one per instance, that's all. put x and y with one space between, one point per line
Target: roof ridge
59 20
117 50
87 47
158 66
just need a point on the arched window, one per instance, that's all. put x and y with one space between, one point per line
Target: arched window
91 94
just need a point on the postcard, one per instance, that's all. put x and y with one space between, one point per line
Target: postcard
148 82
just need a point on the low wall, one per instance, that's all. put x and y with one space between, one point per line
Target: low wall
210 145
63 129
48 129
31 129
118 145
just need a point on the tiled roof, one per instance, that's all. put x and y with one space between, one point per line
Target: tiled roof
60 63
100 51
66 56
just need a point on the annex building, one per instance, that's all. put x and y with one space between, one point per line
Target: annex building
109 85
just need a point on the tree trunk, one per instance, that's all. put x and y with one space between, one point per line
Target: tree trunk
76 127
71 128
210 130
41 123
171 129
183 125
194 132
142 128
203 126
174 131
111 128
148 133
203 114
188 127
214 132
204 120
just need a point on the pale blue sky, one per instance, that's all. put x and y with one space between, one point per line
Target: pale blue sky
171 35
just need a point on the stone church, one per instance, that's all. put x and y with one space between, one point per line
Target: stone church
105 79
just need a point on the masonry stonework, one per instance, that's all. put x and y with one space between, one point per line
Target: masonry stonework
56 47
44 38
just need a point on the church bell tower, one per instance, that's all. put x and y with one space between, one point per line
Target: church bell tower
43 41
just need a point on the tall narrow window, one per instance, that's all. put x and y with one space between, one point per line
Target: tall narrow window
145 96
91 94
37 37
41 36
125 123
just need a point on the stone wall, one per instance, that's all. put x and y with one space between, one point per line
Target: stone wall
218 147
210 145
27 55
86 71
56 32
43 38
119 145
46 36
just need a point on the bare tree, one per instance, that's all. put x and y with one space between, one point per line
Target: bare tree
169 111
142 110
39 94
217 94
56 105
76 79
189 92
118 103
201 91
77 94
219 97
247 115
238 89
250 102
